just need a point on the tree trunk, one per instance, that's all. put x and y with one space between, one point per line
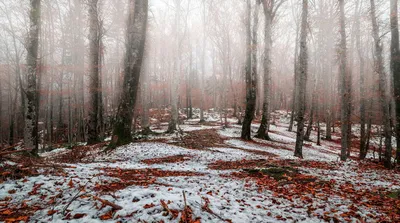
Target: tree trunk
176 73
363 136
203 65
319 133
295 80
310 124
31 114
345 90
313 108
135 43
94 91
78 61
303 71
395 67
251 70
384 100
263 130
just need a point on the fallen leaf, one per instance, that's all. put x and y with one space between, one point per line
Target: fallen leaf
51 212
147 206
6 212
71 184
78 216
106 216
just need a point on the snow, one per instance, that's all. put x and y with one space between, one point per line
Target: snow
230 198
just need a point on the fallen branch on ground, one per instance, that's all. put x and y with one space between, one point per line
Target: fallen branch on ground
15 151
108 203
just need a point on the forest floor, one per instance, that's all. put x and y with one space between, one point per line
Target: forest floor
204 174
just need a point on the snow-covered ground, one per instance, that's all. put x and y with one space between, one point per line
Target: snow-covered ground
76 192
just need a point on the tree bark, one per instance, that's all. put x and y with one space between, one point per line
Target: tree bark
94 90
361 59
263 130
384 100
295 80
135 43
303 72
395 68
251 70
345 91
176 73
31 138
313 108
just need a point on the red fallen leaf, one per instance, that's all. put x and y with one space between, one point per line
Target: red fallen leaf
71 184
19 219
51 212
12 191
35 189
24 204
6 212
209 192
78 216
106 216
174 213
147 206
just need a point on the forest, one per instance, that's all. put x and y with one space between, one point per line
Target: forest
194 111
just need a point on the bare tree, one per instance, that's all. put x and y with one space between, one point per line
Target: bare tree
251 69
363 135
135 43
270 8
395 67
95 88
303 73
384 100
345 87
31 138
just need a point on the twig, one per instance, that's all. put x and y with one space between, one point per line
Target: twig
207 209
9 147
185 208
72 200
15 151
76 196
105 202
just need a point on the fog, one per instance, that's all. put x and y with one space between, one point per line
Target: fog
195 59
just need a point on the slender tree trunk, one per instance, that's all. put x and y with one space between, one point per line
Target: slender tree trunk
263 130
363 136
310 124
1 120
345 90
176 73
319 133
251 71
368 137
146 103
313 108
94 91
384 100
395 68
203 65
31 138
135 43
296 81
303 72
